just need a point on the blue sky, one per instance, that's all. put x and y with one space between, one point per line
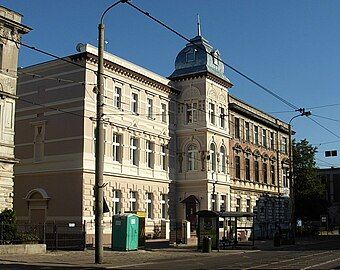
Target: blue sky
291 47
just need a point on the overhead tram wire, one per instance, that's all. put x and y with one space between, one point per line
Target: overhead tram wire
327 118
289 104
322 126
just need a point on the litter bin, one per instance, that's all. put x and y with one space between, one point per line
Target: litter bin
206 248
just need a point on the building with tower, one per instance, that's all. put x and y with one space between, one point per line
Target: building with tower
173 145
11 31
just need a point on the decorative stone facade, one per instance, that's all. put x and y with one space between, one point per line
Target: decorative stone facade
169 143
11 30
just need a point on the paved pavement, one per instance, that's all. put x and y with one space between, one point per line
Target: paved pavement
318 253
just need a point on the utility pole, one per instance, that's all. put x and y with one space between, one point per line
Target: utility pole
99 150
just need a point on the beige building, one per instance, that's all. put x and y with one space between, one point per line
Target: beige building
169 142
10 29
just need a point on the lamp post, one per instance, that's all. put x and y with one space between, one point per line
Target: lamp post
302 112
99 167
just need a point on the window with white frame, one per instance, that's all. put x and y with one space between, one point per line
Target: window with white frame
256 135
248 206
134 151
116 201
213 202
213 157
133 200
164 206
163 157
150 107
149 205
285 179
192 158
223 203
212 113
149 152
163 108
272 141
238 205
191 113
222 118
223 159
116 147
247 131
117 100
134 103
264 138
284 148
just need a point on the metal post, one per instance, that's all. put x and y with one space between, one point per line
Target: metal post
291 184
99 150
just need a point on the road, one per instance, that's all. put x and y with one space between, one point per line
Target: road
317 254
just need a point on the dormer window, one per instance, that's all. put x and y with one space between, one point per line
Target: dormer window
190 55
216 56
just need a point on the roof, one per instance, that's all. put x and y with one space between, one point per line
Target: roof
197 57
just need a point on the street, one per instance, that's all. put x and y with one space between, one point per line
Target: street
320 253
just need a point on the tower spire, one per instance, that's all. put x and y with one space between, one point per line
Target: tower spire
198 25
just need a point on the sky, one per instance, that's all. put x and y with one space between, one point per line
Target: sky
290 47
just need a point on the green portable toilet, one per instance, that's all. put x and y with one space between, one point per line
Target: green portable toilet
124 232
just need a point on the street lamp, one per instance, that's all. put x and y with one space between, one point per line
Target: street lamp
302 112
100 142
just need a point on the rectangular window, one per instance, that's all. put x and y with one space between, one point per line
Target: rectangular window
191 112
150 108
237 167
248 206
134 103
265 173
238 204
134 151
256 171
149 150
133 201
163 157
149 210
256 135
117 195
284 148
212 113
163 112
222 118
272 141
272 174
164 206
237 127
213 202
264 138
117 101
247 131
247 165
285 177
223 206
116 147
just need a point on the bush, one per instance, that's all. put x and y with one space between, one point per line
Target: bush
27 238
8 226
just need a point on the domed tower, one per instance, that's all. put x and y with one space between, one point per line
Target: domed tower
202 135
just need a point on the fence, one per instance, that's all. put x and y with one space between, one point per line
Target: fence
69 236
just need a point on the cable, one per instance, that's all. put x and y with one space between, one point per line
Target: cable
324 117
316 122
227 65
323 106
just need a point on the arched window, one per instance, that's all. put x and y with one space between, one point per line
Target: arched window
213 157
223 163
192 160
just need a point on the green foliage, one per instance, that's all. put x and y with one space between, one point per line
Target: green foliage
27 238
8 226
309 191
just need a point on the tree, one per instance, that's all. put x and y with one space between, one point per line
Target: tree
8 226
309 191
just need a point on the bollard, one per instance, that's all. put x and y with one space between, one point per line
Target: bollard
206 248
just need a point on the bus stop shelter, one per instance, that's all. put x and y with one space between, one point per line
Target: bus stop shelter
210 223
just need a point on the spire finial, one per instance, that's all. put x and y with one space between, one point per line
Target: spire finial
198 25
